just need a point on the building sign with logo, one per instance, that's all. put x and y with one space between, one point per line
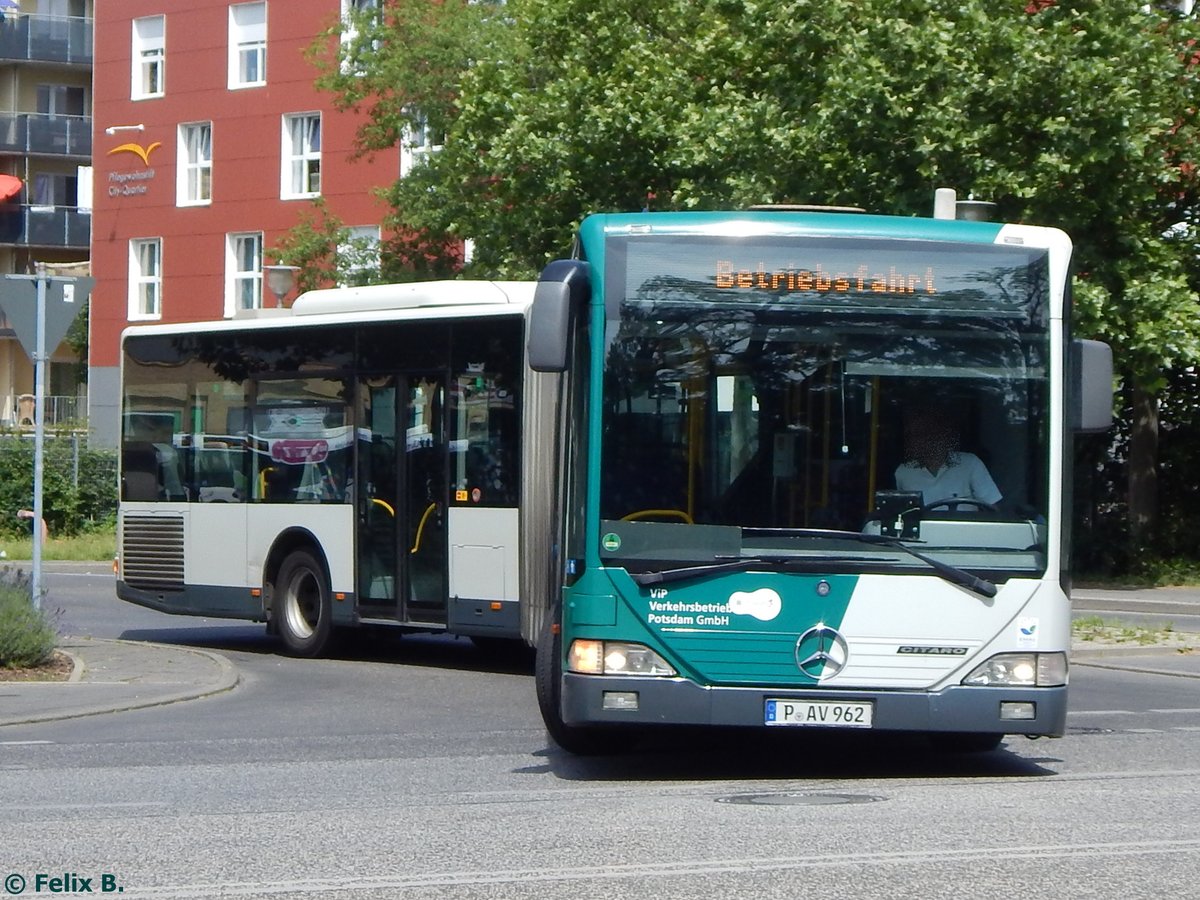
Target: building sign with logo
136 182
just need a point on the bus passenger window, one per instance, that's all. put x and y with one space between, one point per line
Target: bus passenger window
483 441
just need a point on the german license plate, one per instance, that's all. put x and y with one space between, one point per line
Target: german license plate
820 713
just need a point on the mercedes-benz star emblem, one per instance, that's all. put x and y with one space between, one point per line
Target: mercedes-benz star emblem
821 652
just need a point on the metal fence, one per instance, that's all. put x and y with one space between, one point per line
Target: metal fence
61 410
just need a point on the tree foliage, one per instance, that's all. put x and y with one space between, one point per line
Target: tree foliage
1075 113
79 486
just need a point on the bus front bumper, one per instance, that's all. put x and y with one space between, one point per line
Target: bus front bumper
609 700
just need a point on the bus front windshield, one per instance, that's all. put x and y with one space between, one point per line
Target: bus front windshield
760 394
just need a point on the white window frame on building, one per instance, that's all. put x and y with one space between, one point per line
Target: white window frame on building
361 249
145 279
416 144
300 173
148 75
247 45
352 13
194 164
243 271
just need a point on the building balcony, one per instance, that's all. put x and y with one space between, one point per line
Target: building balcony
59 227
36 134
49 39
58 410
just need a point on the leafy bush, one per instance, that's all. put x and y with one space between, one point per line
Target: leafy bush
26 637
79 486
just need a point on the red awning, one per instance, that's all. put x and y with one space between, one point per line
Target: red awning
10 186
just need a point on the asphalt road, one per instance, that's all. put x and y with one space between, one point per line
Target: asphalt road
419 768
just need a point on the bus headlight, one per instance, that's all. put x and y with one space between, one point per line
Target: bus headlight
615 658
1021 670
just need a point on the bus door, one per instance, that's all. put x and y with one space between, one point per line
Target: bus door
402 498
425 498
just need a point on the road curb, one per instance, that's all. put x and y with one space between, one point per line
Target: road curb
227 679
1141 670
1109 651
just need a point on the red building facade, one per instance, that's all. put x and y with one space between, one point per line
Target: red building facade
210 142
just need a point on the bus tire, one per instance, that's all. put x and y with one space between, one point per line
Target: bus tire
301 608
548 681
965 742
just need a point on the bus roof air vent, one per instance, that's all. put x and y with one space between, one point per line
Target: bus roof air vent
804 207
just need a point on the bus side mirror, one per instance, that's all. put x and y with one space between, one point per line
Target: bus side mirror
562 289
1092 391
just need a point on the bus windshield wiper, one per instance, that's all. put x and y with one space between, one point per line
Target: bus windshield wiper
950 573
740 564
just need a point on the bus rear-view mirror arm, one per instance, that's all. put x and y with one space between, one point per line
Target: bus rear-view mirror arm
562 290
1092 386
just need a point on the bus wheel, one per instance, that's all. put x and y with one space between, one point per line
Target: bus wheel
548 680
965 742
301 607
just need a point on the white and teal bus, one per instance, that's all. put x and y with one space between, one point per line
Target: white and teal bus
677 465
751 535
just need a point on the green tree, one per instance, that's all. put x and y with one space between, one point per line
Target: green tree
1076 113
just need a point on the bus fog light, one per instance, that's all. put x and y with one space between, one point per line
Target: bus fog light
1013 709
619 700
1021 670
586 657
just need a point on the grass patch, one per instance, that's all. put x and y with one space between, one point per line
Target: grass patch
1150 572
1094 628
26 637
100 545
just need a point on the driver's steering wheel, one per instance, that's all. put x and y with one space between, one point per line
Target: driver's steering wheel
953 503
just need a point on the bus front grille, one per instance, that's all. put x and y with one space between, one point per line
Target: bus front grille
152 552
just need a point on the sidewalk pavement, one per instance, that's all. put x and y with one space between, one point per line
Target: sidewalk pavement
115 675
118 675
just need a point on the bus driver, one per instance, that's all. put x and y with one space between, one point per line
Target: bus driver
935 467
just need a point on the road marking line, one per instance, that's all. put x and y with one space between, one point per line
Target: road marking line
1101 712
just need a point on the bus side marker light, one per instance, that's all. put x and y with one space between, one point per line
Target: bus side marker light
619 700
255 592
586 657
339 596
496 606
1018 709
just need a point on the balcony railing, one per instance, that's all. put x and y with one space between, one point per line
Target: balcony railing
57 39
45 226
59 409
36 133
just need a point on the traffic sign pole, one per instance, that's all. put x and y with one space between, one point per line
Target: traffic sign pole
39 433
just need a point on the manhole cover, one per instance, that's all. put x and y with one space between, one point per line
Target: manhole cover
796 798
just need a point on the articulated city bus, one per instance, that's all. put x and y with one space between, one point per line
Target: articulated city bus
815 473
774 469
372 455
